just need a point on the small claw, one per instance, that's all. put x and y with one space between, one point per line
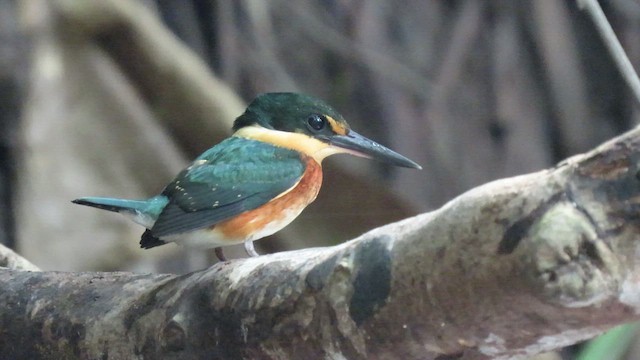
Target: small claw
248 247
219 254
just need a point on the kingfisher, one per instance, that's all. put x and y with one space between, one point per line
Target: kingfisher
253 183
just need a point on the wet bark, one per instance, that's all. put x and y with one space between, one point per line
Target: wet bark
512 268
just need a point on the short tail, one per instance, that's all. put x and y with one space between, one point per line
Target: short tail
111 204
143 212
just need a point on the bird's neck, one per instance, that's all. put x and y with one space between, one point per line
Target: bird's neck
305 144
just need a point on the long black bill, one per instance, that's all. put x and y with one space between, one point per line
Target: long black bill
361 146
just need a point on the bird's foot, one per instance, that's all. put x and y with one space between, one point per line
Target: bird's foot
248 247
219 254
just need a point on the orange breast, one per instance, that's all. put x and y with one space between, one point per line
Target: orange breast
277 213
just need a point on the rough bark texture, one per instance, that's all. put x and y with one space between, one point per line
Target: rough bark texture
509 269
10 260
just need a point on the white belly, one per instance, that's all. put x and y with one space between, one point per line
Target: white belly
210 238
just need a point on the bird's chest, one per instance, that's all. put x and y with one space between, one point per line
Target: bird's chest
277 213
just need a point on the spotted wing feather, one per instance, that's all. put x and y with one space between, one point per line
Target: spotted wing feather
235 176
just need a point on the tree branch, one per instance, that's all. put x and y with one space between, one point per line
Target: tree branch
511 268
613 45
10 260
187 98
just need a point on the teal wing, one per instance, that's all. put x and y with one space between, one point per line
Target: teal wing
235 176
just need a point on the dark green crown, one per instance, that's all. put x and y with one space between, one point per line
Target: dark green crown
286 112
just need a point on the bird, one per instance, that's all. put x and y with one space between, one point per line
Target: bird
253 183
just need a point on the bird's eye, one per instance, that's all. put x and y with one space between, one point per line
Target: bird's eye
316 122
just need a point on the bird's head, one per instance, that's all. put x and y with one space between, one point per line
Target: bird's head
308 125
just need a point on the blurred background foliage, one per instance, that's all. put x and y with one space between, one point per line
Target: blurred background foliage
113 97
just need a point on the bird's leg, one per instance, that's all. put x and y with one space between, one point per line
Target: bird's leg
248 247
219 254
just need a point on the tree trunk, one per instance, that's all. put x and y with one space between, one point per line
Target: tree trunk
512 268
